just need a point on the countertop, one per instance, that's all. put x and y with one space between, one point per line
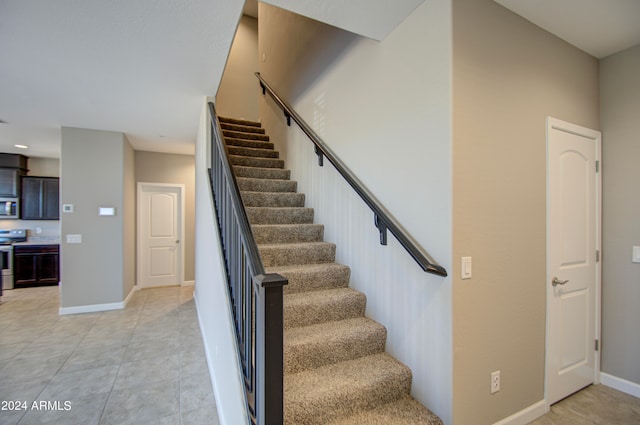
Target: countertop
39 240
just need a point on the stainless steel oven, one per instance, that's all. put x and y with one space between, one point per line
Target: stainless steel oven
6 252
7 237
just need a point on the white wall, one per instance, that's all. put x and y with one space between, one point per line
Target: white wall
238 93
620 109
212 301
384 108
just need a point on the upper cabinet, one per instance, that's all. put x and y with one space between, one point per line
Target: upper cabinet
10 182
40 198
12 167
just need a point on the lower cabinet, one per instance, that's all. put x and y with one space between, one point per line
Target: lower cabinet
36 265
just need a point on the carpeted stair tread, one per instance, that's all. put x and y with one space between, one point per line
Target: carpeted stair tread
284 215
404 411
249 161
318 345
317 396
286 233
253 152
313 277
229 120
260 144
242 128
247 136
266 185
262 173
310 308
283 254
272 199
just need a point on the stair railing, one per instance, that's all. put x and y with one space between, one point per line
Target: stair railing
256 297
382 218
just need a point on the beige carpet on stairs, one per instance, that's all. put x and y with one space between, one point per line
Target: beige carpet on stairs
336 369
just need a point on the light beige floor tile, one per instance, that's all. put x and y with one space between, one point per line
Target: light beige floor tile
144 364
144 403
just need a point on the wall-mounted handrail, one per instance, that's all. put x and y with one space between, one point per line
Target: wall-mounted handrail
383 219
256 297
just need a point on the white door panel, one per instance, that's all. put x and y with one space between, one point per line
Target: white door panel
573 238
159 234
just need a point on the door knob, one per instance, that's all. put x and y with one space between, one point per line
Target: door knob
556 281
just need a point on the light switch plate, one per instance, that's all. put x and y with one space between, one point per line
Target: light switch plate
466 268
67 208
636 254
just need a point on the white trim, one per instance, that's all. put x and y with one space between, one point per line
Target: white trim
526 415
95 308
189 283
620 384
182 189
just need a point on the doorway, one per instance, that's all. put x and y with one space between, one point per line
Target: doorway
573 258
160 234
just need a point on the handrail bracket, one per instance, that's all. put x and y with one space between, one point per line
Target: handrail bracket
382 227
320 156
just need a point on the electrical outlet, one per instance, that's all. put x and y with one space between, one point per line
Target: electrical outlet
495 382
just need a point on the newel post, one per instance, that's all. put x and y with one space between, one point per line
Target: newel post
270 348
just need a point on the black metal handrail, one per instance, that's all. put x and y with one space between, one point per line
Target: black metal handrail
256 297
383 219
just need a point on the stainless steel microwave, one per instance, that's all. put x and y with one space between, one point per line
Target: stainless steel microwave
9 208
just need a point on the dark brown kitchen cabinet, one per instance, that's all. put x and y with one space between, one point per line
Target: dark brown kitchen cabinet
12 167
40 198
36 265
10 182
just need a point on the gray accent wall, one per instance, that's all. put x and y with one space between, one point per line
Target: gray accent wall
620 110
93 168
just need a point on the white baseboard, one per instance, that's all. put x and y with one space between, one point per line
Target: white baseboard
620 384
526 415
189 283
94 308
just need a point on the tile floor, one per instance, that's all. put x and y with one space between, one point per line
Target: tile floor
595 405
141 365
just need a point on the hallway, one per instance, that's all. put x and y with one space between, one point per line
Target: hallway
141 365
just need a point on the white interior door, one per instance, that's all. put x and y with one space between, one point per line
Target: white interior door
160 254
573 270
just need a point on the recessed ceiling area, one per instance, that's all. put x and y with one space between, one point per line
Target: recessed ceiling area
598 27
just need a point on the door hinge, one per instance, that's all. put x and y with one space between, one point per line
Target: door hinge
597 345
597 166
597 256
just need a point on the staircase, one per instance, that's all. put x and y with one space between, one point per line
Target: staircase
336 369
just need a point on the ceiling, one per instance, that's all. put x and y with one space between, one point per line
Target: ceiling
143 67
139 67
